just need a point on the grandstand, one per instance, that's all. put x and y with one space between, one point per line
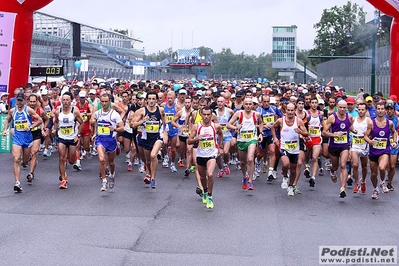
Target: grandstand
108 53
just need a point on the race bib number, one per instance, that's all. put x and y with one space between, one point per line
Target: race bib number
66 130
291 145
169 117
223 127
341 139
207 143
391 141
21 125
314 131
268 119
247 135
152 127
381 143
48 114
103 130
85 118
358 140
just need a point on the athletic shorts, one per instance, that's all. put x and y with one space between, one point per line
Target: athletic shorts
109 144
243 146
325 139
361 152
302 146
375 158
266 141
313 141
394 151
201 161
336 152
127 135
227 139
37 134
292 157
22 139
67 142
183 139
148 143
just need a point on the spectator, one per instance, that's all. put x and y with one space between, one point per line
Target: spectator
3 103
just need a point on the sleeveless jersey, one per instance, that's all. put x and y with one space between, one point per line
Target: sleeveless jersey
207 146
83 111
170 113
67 123
289 138
358 141
182 121
104 122
151 128
316 123
21 120
223 120
34 120
381 135
340 126
395 121
247 132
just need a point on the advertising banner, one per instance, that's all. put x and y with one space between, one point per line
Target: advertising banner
7 23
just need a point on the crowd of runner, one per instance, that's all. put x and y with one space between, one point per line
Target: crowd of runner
205 128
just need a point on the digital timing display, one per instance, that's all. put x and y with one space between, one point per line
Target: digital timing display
43 71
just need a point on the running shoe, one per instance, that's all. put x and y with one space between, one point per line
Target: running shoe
152 183
290 191
375 194
147 179
180 163
220 174
244 185
30 177
327 165
187 172
141 168
321 171
284 184
356 188
205 197
130 167
333 176
271 176
296 190
226 169
238 165
192 169
104 185
363 187
384 188
111 181
94 152
77 167
17 187
165 163
342 192
136 161
209 203
46 153
258 166
349 181
306 172
127 157
63 184
173 168
250 186
199 191
390 187
312 181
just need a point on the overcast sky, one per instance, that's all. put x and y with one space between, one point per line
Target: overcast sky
242 25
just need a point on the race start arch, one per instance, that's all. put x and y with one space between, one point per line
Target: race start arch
391 8
16 28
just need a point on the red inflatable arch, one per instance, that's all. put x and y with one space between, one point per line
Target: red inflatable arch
391 8
23 31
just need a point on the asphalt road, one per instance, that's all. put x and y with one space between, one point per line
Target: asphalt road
136 225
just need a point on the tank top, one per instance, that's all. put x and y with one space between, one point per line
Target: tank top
223 120
104 123
34 120
247 132
315 122
21 120
289 138
358 141
182 121
268 116
66 126
153 125
170 113
395 121
340 126
381 135
207 146
127 122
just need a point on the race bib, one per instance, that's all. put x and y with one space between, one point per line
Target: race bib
169 117
66 130
48 114
314 132
103 129
152 126
207 143
247 135
268 119
291 145
223 127
20 125
358 140
85 118
391 141
342 139
381 143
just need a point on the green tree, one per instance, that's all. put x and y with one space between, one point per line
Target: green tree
340 30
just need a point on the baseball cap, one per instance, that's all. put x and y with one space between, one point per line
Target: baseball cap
183 91
350 100
44 92
393 98
199 93
376 98
378 93
92 91
321 101
390 105
140 95
5 94
240 93
255 100
369 99
82 94
232 96
272 100
20 96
